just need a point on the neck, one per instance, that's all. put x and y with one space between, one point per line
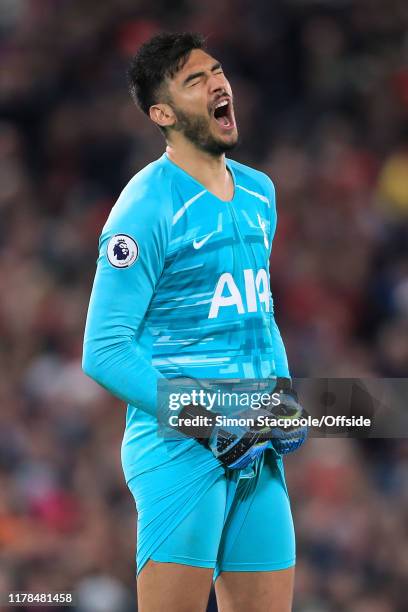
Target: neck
209 170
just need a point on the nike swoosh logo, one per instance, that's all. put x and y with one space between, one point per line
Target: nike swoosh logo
197 244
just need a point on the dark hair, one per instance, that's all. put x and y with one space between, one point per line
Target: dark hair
160 57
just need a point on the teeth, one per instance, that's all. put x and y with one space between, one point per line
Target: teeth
223 103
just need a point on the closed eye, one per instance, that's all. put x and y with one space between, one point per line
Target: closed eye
195 78
198 80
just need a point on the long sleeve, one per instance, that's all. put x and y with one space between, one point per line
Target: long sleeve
281 360
280 357
131 260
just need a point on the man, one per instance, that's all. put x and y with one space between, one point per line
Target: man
182 290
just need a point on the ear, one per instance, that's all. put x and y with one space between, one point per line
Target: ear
162 115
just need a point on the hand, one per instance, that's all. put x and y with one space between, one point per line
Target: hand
236 444
288 437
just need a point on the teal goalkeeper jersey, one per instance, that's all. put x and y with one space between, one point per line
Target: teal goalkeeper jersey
182 286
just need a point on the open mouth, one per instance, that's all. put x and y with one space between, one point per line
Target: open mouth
223 114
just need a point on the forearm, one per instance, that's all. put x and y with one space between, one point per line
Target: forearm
280 357
119 366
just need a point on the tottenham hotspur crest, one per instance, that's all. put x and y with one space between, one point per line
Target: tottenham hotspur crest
122 251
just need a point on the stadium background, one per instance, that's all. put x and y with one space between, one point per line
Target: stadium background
322 95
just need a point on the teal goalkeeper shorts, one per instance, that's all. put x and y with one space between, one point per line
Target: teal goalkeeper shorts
228 520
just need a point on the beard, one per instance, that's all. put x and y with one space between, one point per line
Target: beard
197 130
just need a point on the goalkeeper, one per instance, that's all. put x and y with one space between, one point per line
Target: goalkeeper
182 290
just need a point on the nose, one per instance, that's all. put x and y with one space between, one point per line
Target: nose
217 83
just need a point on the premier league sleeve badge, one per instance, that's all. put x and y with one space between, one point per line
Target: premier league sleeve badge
122 251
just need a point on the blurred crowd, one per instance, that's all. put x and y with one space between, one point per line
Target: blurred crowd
321 90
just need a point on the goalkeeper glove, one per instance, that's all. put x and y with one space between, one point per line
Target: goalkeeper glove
238 445
235 446
290 434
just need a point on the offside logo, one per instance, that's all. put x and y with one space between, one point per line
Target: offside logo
122 251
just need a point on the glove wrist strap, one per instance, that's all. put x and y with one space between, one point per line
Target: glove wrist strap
206 423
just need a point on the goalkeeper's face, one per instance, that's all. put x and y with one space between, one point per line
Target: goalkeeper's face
201 104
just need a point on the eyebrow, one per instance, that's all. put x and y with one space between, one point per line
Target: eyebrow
195 75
